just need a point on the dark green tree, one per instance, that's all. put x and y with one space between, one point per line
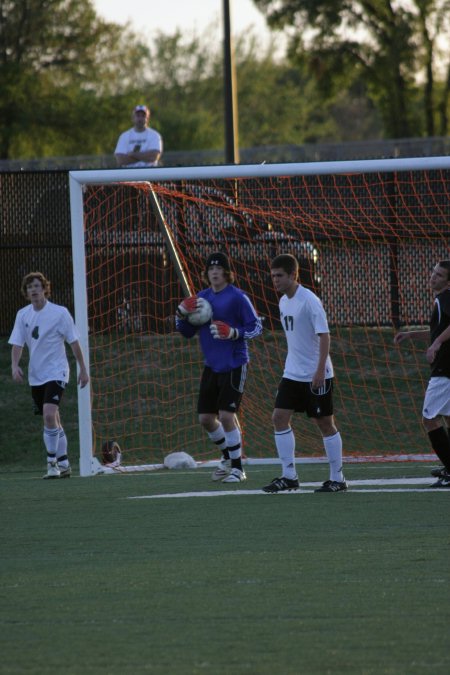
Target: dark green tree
397 50
61 68
278 103
185 78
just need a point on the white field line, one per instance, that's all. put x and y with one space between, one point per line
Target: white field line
403 483
250 461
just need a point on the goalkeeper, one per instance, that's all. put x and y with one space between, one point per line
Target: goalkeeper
224 345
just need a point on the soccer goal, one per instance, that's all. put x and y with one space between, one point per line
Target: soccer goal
366 234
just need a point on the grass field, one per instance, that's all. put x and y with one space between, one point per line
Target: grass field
111 576
94 582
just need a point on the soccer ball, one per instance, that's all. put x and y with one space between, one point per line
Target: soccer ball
111 453
202 314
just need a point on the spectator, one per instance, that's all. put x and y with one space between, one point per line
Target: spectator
141 146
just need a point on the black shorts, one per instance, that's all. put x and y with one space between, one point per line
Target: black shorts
300 397
50 392
221 391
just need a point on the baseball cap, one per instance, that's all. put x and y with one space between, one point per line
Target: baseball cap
219 259
141 108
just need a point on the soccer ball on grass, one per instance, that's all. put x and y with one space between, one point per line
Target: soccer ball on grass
111 453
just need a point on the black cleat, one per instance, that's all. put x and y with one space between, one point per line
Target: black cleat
443 482
282 485
333 486
439 472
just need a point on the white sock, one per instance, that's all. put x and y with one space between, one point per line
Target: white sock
51 439
285 443
61 453
218 438
233 439
333 449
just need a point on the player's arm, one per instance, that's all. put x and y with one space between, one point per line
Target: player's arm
324 350
186 329
123 159
141 156
252 325
411 335
146 155
437 344
83 377
16 370
252 322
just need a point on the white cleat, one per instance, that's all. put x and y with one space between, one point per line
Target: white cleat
235 476
52 471
222 470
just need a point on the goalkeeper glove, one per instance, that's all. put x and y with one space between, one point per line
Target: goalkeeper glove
186 307
222 331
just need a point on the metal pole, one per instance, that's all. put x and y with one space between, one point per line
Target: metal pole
230 92
171 247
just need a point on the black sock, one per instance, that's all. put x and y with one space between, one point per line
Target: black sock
440 443
236 463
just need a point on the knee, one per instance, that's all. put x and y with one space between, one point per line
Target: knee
280 419
326 426
50 420
227 420
208 422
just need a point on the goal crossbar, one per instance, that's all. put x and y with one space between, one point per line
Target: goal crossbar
90 177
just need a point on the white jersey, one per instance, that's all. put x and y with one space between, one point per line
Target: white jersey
44 332
139 141
303 318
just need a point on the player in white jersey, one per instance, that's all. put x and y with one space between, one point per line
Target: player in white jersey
307 382
141 146
44 328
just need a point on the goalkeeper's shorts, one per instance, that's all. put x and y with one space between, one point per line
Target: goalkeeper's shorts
221 391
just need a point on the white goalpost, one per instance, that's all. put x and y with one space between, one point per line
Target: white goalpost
138 240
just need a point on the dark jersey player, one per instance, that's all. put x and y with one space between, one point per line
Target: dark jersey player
223 341
436 405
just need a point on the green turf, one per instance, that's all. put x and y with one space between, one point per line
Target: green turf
95 583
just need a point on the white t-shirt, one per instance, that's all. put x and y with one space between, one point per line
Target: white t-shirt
44 332
303 318
139 141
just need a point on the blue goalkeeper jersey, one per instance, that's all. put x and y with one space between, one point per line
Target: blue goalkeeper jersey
232 306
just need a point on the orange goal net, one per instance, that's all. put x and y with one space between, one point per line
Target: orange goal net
366 241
